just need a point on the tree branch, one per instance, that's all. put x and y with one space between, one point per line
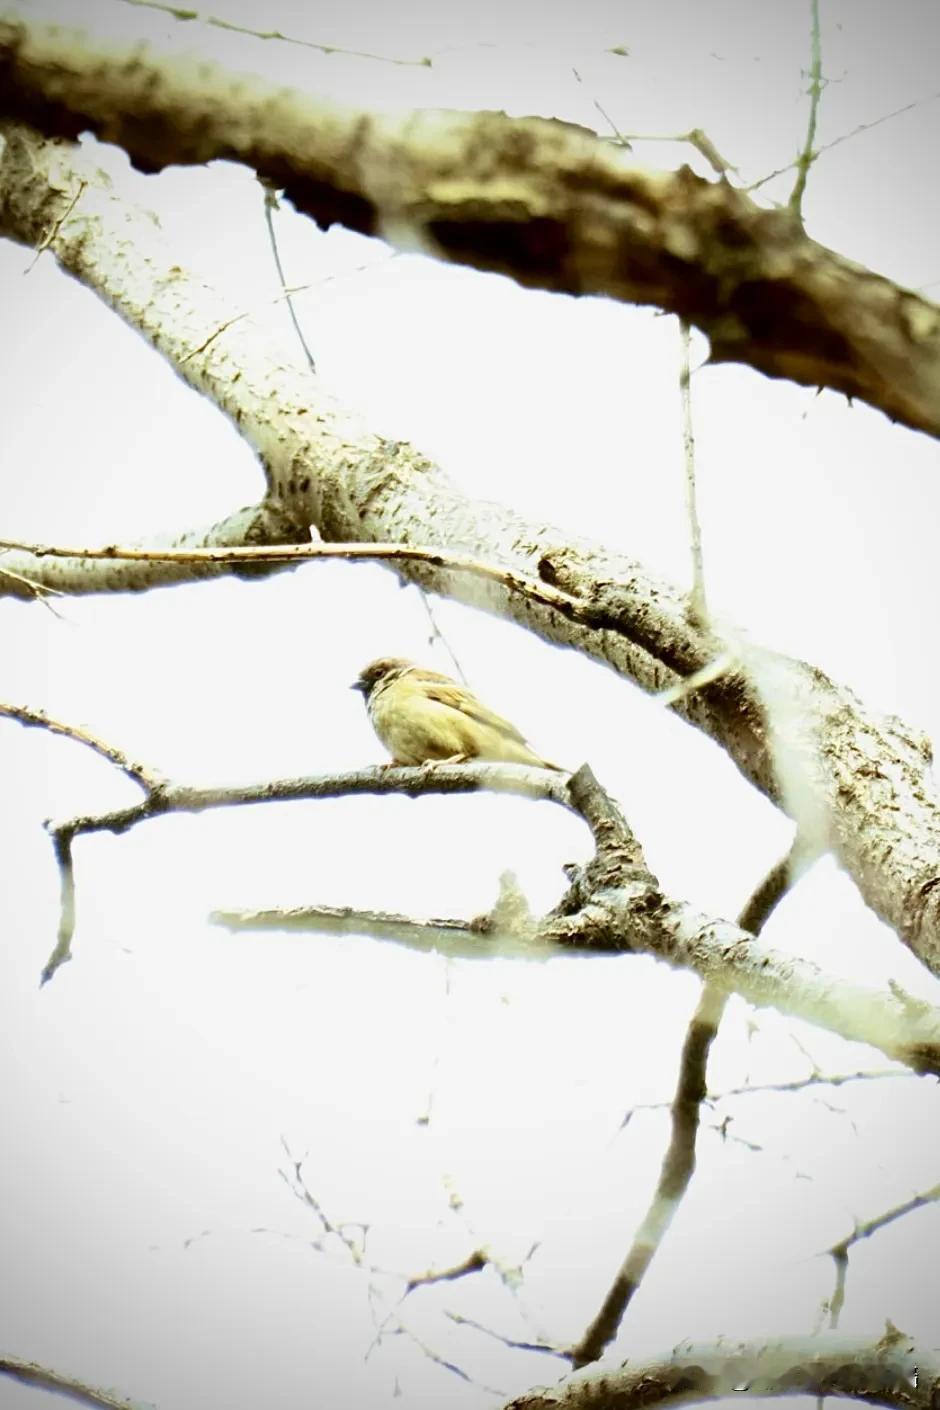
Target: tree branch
518 196
840 1250
141 774
678 1165
613 906
891 1371
31 1374
194 556
855 781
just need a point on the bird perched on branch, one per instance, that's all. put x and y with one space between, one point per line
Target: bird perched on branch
421 716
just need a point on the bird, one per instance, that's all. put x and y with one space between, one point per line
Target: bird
422 716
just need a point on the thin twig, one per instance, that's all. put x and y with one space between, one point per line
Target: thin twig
698 608
270 206
56 225
143 775
437 634
475 1262
695 137
797 1084
845 137
808 155
513 1343
621 140
302 1192
179 13
840 1251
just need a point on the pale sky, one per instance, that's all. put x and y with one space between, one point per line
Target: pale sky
146 1238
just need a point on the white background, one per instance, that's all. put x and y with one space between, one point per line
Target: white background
146 1239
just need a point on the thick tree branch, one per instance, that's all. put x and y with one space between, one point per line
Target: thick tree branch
548 203
891 1371
857 783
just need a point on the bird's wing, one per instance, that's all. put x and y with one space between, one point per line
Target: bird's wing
457 697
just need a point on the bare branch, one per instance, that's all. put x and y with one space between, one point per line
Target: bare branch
301 1191
847 137
613 906
513 1343
184 14
141 774
475 1262
270 206
455 939
840 1251
530 197
29 569
677 1169
62 953
892 1371
808 155
31 1374
696 138
678 1164
698 608
856 781
797 1084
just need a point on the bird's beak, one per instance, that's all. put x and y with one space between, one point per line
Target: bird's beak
360 686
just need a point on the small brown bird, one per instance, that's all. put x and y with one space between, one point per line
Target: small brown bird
421 716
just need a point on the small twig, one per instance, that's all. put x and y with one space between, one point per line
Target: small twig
301 1191
40 591
141 774
270 206
31 1374
808 155
839 1252
698 609
179 13
56 225
163 797
621 140
798 1084
695 137
845 137
146 778
475 1262
511 1342
437 634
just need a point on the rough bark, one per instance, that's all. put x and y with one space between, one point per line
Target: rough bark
550 204
891 1371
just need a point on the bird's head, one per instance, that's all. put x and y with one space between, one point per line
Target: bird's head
381 672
